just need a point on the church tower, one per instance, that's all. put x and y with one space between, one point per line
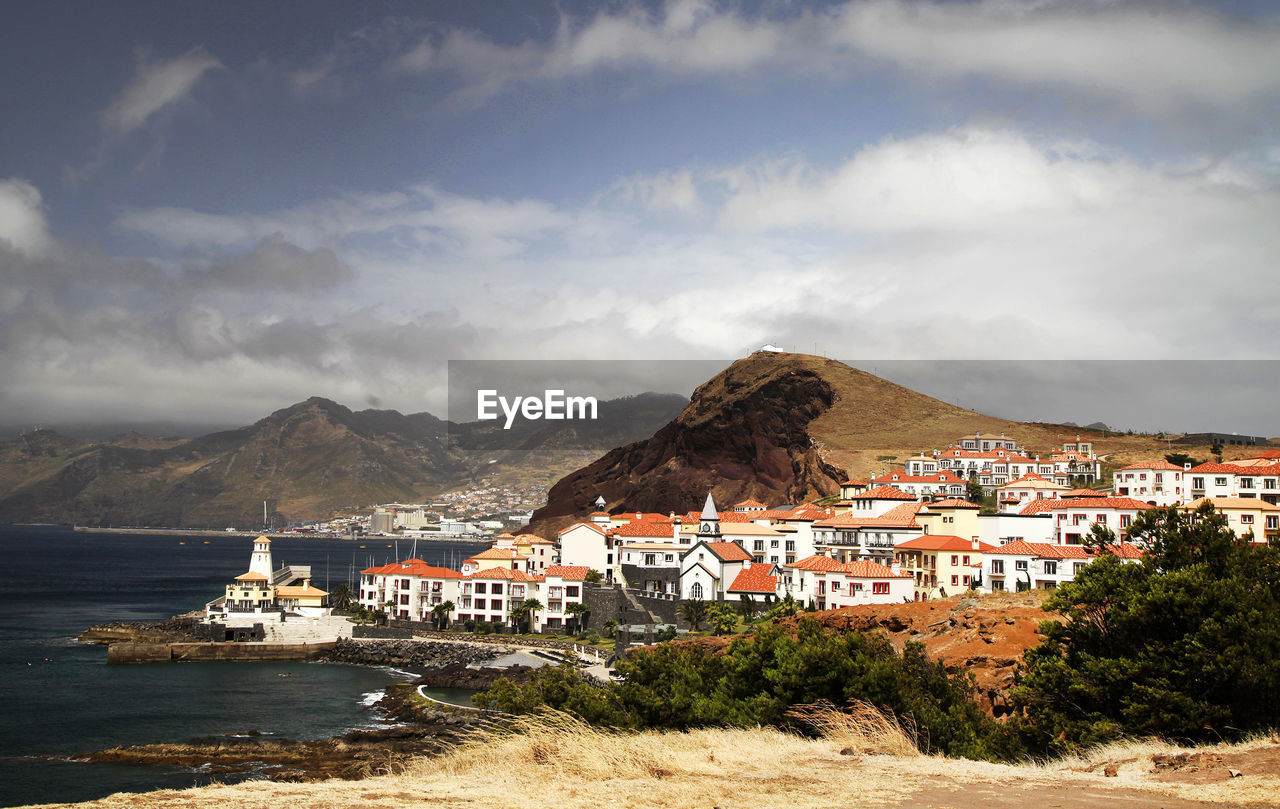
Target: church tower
260 562
709 523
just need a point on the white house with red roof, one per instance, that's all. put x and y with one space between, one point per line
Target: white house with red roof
758 584
1073 518
1014 495
1245 515
592 545
749 505
935 484
941 565
1234 480
709 567
877 500
1159 483
408 590
851 536
1019 566
831 584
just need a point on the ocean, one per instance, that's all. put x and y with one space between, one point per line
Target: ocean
61 699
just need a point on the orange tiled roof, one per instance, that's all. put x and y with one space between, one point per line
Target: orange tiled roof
952 502
884 493
569 572
944 542
1061 504
1161 464
754 579
729 551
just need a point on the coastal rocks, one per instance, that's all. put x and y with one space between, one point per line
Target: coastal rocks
411 653
457 675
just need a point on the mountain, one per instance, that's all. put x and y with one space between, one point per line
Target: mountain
778 428
306 461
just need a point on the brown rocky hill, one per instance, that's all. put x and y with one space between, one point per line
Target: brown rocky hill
782 428
306 460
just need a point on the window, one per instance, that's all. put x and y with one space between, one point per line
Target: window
1020 564
955 581
1079 566
1125 519
1102 519
404 584
496 604
966 581
1246 483
1050 568
650 559
835 585
1273 521
571 591
1077 519
695 592
497 589
966 560
758 545
480 587
997 586
404 599
1219 481
997 566
955 560
1246 519
880 588
1197 483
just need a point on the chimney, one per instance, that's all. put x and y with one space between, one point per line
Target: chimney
1186 467
895 566
675 529
976 544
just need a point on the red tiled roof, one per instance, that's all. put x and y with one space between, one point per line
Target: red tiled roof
953 502
729 551
1231 469
1062 504
750 504
570 572
1161 464
817 562
754 579
945 476
884 493
590 525
643 516
866 569
944 542
725 516
854 482
644 529
503 573
1067 495
414 567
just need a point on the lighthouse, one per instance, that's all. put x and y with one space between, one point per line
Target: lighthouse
260 562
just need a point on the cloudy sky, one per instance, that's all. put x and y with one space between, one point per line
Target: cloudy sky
208 211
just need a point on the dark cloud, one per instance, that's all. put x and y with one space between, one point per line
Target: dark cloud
275 264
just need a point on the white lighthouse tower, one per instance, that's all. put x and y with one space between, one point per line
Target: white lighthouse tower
260 562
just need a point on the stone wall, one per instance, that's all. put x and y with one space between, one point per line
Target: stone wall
207 652
627 606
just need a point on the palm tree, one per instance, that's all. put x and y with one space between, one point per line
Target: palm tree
341 598
693 610
524 612
440 614
575 611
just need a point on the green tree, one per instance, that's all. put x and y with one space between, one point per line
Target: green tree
746 607
577 616
722 618
440 614
1180 645
610 627
1180 459
694 611
786 607
341 597
523 613
593 578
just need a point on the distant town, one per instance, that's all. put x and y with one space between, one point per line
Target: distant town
982 515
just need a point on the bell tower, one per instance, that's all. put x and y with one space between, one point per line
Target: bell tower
709 522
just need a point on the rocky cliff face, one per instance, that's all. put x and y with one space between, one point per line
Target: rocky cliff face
745 433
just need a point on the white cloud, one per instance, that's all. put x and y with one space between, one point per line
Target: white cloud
156 85
22 217
1155 58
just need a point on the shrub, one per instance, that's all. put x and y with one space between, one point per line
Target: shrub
759 678
1184 645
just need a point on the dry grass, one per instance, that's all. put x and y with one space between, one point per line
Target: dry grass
556 761
861 729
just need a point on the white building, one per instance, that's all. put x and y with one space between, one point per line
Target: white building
1159 483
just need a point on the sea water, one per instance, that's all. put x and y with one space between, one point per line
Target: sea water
59 698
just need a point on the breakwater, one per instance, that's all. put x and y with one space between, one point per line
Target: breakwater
213 652
411 653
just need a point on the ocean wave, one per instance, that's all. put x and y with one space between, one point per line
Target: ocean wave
368 700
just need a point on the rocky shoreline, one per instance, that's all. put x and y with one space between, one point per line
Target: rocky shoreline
418 726
428 729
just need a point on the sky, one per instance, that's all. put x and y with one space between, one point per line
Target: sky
209 211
